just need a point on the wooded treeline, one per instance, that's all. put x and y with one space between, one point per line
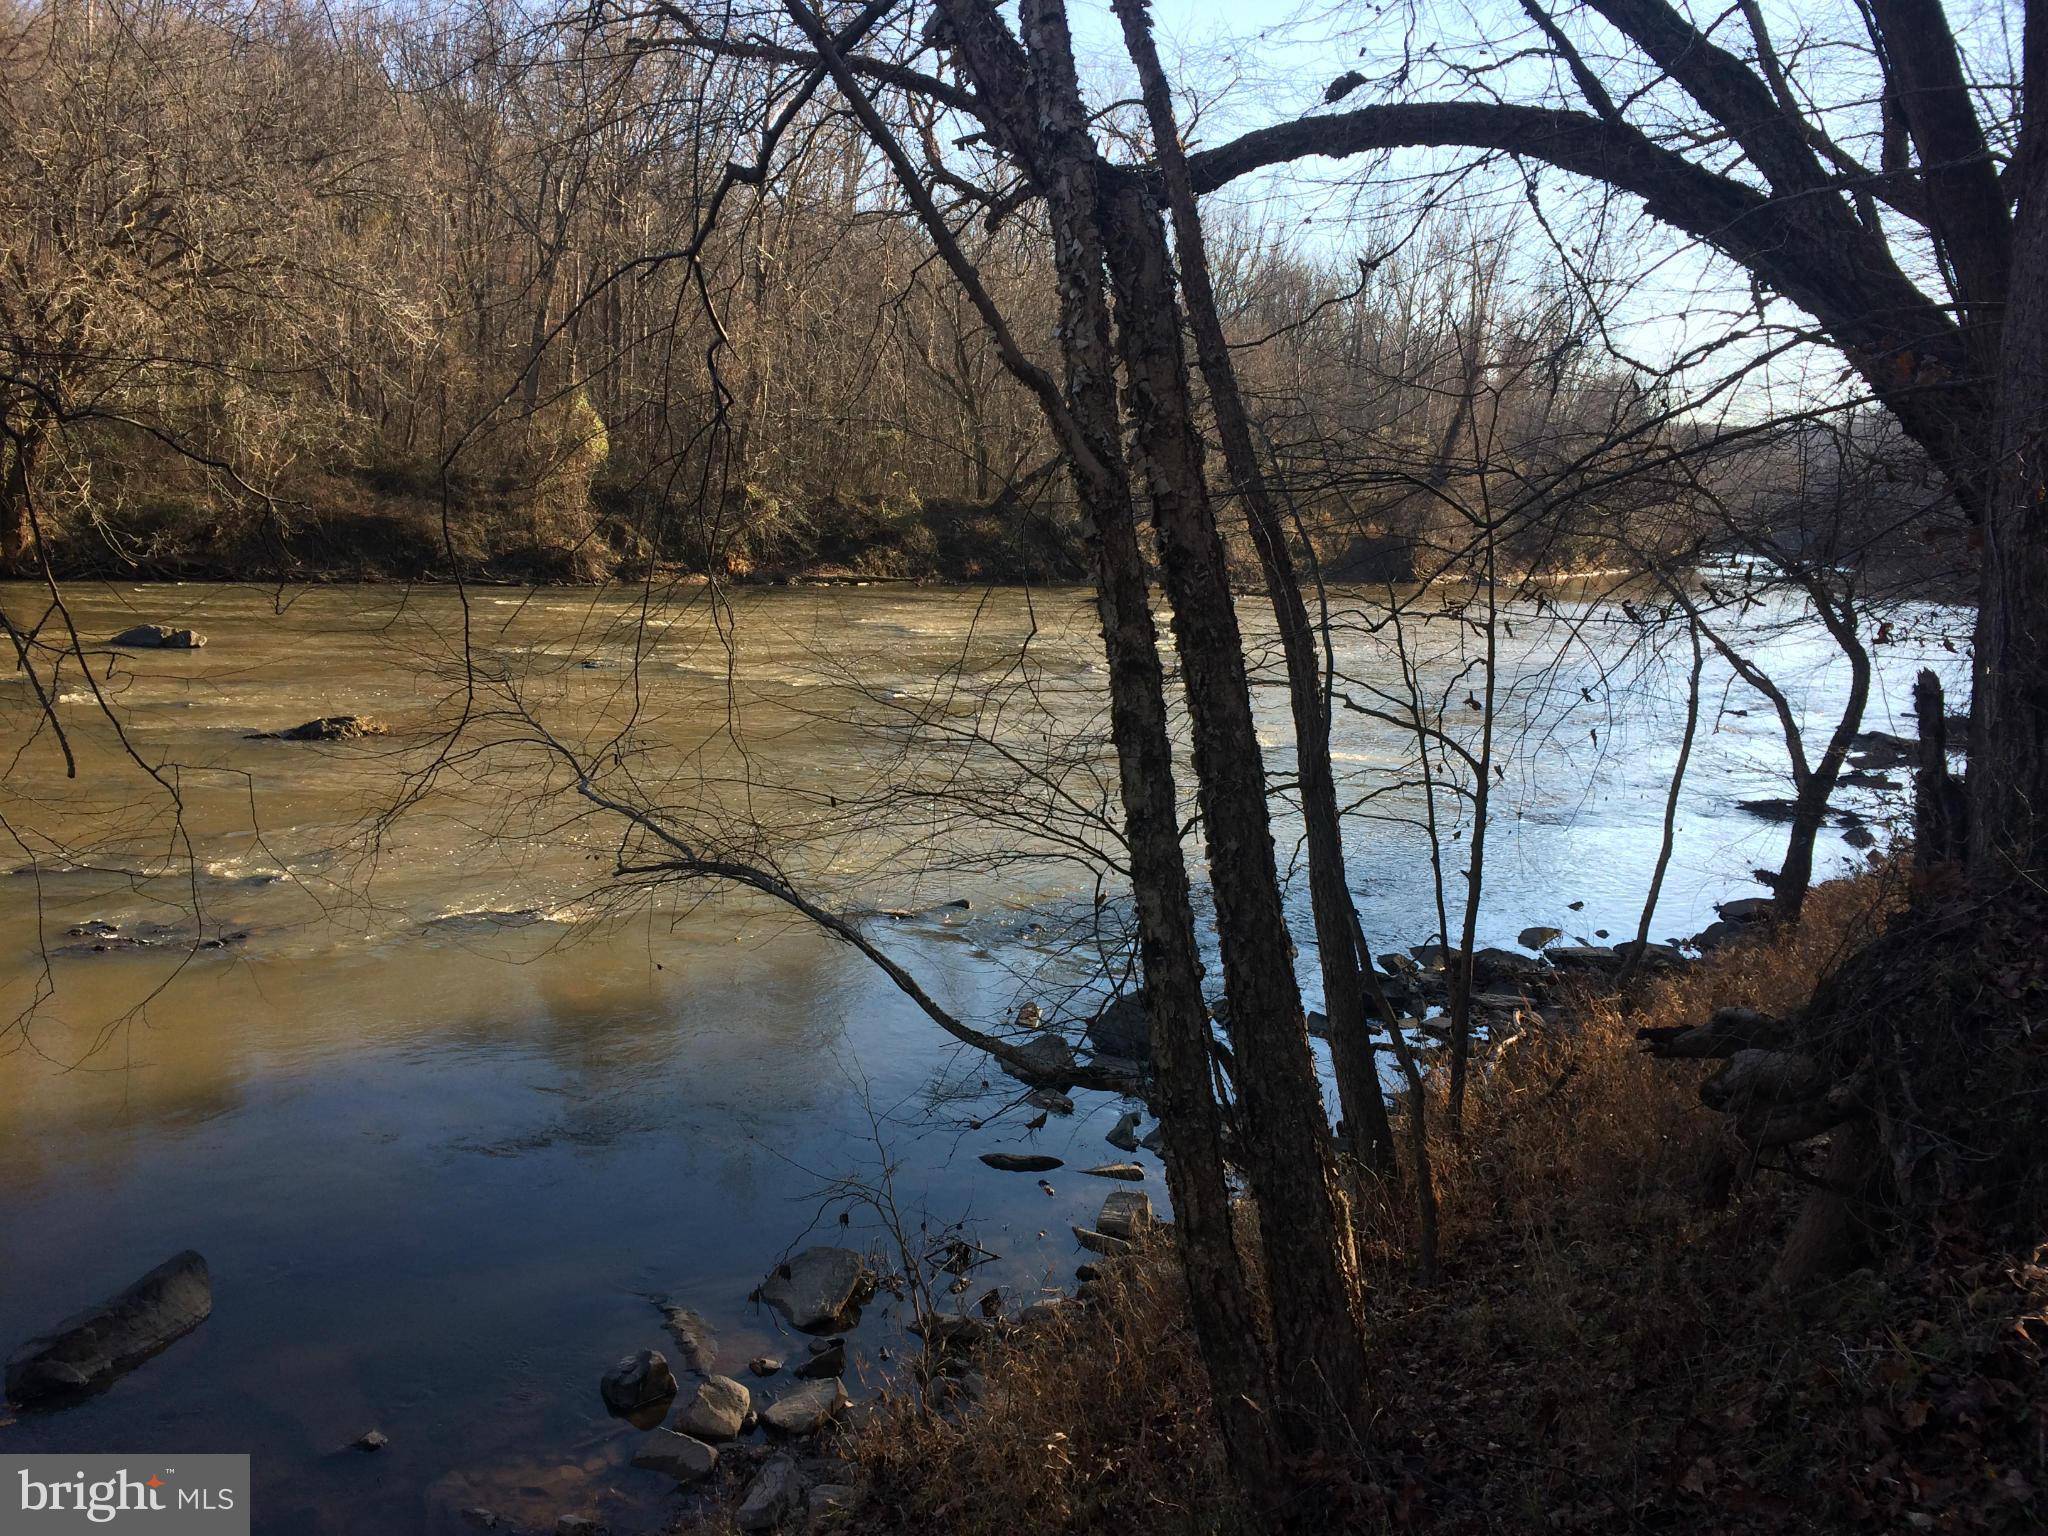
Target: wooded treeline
298 288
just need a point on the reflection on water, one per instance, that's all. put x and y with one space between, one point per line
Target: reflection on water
452 1117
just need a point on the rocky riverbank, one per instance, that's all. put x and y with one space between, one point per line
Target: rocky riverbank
1597 1357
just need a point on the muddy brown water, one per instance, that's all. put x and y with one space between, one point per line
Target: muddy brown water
447 1115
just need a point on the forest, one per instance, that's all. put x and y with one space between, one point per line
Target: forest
305 291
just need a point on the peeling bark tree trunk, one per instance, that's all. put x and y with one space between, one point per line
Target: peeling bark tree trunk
1318 1344
1344 992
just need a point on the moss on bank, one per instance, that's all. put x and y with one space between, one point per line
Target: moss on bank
1600 1355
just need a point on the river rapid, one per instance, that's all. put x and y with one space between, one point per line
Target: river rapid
448 1110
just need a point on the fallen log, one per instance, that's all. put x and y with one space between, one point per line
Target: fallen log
1728 1031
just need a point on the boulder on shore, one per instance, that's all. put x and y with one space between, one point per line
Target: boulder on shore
718 1411
89 1350
1748 909
818 1288
1656 956
1583 957
1491 966
638 1381
807 1409
159 637
772 1496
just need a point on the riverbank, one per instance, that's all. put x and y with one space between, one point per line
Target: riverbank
1601 1353
382 526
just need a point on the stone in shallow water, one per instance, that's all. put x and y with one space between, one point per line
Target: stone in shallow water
159 637
1121 1029
333 728
826 1363
1130 1171
818 1288
1100 1242
638 1381
718 1411
693 1335
1021 1162
1125 1213
680 1457
1124 1134
89 1350
1045 1056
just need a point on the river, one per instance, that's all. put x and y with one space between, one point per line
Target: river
446 1111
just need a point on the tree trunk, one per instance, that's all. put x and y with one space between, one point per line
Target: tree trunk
1084 416
1816 787
2007 782
17 522
1318 1344
1344 994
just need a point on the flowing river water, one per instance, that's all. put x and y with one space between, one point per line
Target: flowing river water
447 1113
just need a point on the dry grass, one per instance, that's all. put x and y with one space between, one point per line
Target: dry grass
1599 1355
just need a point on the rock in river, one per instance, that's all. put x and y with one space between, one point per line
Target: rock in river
693 1336
1124 1134
684 1459
807 1409
1121 1029
90 1350
826 1363
1131 1171
1021 1162
331 728
159 637
1125 1213
718 1411
638 1381
818 1288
